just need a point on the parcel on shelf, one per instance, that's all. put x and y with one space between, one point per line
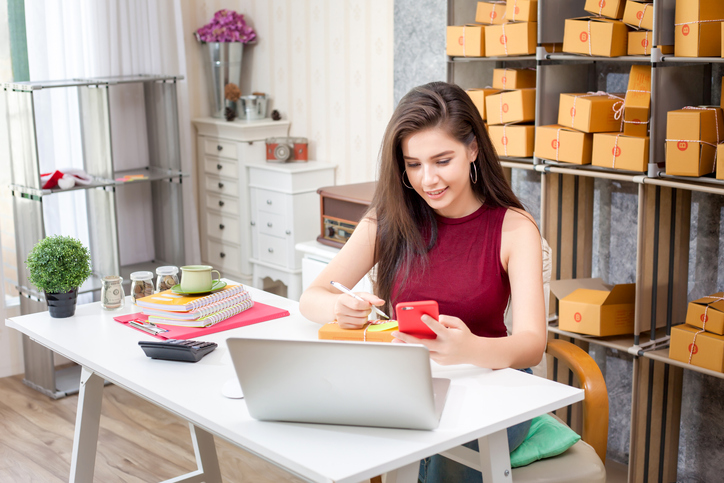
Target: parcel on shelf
615 150
713 306
639 15
606 8
465 41
707 351
522 11
590 112
508 79
560 143
511 106
478 97
595 36
512 139
589 306
514 38
697 28
490 13
638 101
691 139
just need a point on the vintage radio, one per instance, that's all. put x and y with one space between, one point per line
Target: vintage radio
342 208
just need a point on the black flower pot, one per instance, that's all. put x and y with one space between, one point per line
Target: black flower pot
61 305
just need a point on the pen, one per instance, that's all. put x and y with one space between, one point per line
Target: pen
147 327
344 289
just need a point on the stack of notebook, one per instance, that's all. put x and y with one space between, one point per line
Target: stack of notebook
171 308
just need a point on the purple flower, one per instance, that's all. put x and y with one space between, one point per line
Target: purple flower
226 26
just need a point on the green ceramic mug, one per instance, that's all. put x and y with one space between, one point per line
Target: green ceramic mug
197 278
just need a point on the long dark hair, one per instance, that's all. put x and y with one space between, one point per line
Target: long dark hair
406 226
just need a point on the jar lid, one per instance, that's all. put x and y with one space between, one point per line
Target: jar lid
113 278
142 275
167 270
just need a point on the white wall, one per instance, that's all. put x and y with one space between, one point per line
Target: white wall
327 65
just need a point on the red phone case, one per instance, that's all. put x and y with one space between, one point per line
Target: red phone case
409 314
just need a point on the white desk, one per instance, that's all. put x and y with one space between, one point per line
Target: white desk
481 403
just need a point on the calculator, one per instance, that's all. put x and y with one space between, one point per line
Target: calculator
177 350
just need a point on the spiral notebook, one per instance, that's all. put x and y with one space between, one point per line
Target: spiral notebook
200 312
204 320
168 300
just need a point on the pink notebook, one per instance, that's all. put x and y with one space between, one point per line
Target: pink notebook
258 313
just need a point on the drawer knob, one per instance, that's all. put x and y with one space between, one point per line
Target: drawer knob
218 166
269 224
222 254
221 226
221 203
221 185
253 223
219 147
268 202
289 232
271 250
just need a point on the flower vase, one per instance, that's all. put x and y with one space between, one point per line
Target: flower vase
223 66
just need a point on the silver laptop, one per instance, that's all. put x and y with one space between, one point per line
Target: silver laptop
334 382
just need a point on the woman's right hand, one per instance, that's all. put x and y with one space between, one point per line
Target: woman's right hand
351 313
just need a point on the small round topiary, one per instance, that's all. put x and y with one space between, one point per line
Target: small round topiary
58 264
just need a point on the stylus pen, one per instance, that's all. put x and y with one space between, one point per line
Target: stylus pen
344 289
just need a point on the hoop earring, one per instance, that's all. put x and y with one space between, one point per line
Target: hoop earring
474 170
403 180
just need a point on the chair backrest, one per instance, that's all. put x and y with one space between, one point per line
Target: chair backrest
595 404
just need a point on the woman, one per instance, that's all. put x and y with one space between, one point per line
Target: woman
444 225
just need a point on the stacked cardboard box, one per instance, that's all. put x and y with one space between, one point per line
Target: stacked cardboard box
511 111
692 138
700 340
630 150
513 33
697 28
640 16
602 34
579 116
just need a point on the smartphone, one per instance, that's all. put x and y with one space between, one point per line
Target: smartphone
409 318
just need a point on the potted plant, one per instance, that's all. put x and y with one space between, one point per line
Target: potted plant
58 265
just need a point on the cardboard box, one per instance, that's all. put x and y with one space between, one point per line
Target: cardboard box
522 11
694 36
589 306
553 48
685 155
513 139
511 106
720 164
590 112
515 38
465 41
614 150
639 15
490 13
640 42
508 79
707 351
478 96
638 101
559 143
605 8
595 36
335 332
714 313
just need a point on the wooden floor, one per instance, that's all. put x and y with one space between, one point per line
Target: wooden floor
138 442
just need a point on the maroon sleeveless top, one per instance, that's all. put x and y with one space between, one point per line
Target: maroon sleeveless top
464 273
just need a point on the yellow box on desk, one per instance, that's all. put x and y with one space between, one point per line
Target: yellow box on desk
522 11
697 29
513 139
685 128
508 79
639 15
714 313
614 150
560 143
511 106
638 101
606 8
490 13
589 112
478 97
595 36
589 306
514 38
465 41
706 352
335 332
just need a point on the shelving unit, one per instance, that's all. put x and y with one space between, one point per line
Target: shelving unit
162 178
663 213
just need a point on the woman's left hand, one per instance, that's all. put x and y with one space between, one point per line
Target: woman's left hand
453 342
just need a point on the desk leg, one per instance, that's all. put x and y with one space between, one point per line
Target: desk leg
206 460
495 457
87 423
407 473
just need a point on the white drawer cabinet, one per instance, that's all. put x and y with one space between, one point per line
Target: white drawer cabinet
284 212
223 149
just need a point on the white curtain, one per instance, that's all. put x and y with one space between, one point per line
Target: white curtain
90 38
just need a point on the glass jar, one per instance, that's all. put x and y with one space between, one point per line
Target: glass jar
166 278
141 285
112 295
